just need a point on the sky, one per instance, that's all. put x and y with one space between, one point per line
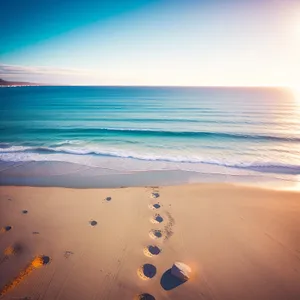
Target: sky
151 42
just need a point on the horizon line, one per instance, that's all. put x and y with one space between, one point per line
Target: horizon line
181 86
140 85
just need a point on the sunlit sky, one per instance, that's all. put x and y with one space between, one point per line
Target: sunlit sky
151 42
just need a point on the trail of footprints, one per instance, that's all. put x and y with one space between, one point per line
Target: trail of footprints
145 272
148 271
17 249
37 261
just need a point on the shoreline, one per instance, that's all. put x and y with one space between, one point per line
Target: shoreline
73 175
241 242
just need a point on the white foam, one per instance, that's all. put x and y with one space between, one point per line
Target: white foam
179 159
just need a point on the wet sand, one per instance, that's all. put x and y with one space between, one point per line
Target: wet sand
241 242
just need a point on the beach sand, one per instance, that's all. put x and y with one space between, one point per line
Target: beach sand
241 242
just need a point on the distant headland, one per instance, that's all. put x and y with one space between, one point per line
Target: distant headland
5 83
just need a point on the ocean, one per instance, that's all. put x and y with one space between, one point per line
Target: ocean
83 136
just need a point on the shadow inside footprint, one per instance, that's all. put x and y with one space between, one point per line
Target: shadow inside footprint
93 223
7 228
169 282
151 251
145 296
45 259
108 198
155 195
24 212
158 218
148 271
155 234
18 248
154 250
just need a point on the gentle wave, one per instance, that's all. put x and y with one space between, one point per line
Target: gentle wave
66 142
197 134
163 133
255 166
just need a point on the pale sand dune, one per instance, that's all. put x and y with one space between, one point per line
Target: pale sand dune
241 243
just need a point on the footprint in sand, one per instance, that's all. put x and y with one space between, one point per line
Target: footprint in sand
13 250
156 219
93 223
155 234
146 271
24 211
144 296
108 199
36 263
6 228
154 206
42 261
10 251
68 254
155 195
151 250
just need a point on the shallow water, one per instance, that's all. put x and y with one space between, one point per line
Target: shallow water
208 134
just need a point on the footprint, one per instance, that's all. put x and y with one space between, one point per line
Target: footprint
155 195
24 212
13 250
155 234
146 271
156 219
151 250
37 262
40 261
10 251
68 254
6 228
154 206
144 296
93 223
108 198
35 232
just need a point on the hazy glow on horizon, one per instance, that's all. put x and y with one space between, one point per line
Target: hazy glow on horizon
240 43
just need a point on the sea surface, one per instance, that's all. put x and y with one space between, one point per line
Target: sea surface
114 136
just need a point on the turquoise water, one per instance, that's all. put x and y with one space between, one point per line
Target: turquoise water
251 132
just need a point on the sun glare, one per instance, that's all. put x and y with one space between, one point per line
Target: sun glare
296 92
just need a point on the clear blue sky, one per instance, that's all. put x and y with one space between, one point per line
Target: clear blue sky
151 42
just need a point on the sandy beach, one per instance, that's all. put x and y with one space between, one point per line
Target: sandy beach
241 242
